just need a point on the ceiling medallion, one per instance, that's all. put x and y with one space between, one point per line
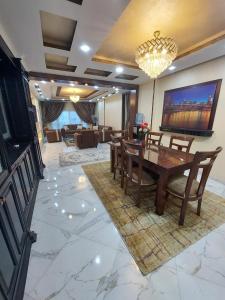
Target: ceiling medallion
156 55
74 98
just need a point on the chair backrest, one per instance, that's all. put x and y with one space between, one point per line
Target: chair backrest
153 138
134 154
204 161
182 143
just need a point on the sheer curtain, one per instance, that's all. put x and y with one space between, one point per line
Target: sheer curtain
68 116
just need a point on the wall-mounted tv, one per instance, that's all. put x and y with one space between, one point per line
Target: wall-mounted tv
191 109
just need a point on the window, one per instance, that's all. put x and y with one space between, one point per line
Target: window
68 116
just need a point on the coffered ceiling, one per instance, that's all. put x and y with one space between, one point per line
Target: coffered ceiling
48 34
190 22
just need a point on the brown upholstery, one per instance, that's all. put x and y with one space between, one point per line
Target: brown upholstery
53 136
69 130
107 132
86 139
188 188
178 184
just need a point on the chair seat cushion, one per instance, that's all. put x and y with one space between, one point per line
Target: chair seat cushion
177 185
146 177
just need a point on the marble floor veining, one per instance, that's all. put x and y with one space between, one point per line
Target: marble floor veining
80 255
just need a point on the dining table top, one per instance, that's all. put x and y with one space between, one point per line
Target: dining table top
162 156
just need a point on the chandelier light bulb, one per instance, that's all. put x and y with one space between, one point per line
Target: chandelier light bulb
156 55
75 98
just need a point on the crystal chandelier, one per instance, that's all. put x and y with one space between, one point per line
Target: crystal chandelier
154 56
74 98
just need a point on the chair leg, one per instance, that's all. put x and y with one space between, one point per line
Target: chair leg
182 212
199 207
139 197
114 173
122 179
125 187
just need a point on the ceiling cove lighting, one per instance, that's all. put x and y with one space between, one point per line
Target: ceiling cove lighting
156 55
75 98
119 70
85 48
96 87
171 68
43 81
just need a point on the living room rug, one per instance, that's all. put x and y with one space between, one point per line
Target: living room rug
81 156
69 142
151 239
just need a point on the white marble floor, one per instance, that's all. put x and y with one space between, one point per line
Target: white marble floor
80 255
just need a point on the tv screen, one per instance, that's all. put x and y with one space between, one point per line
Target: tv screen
191 108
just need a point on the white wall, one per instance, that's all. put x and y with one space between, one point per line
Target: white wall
113 111
205 72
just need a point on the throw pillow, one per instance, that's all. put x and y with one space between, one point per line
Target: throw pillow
79 127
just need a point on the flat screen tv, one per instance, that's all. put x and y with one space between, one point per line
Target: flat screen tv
191 109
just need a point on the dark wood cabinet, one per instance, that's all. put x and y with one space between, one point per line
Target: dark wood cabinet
21 168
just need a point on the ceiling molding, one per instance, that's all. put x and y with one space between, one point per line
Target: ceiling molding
126 77
57 31
114 62
96 72
79 2
80 80
208 42
58 62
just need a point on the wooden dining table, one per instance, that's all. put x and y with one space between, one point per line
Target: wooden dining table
163 161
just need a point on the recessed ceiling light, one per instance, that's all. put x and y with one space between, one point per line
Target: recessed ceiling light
171 68
52 81
114 87
119 69
109 95
72 84
36 85
96 87
43 81
85 48
86 84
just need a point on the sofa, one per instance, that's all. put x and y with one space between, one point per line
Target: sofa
86 139
104 137
53 136
69 130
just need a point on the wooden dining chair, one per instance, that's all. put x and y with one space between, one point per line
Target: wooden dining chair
182 143
135 172
116 140
187 188
153 138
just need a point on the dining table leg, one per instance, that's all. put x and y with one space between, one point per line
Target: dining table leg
161 193
112 158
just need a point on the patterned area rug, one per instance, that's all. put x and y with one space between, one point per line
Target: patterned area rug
80 156
151 239
69 142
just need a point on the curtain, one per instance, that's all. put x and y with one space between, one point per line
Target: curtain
85 111
51 111
68 116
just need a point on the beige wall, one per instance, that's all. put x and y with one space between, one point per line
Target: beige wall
113 111
205 72
39 125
